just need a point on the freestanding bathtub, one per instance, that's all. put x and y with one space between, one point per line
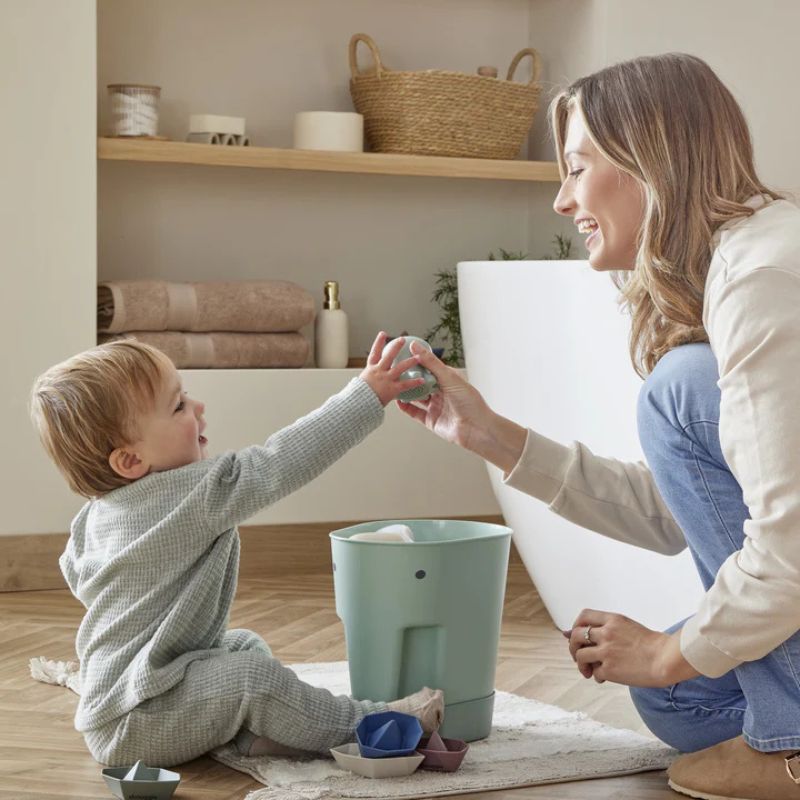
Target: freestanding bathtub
547 346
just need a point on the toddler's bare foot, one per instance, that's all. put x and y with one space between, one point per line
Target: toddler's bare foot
427 705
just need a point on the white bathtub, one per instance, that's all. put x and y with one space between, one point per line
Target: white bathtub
546 345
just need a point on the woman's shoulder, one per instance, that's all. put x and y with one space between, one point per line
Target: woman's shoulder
768 238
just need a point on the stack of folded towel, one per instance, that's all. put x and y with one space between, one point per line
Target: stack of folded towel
217 324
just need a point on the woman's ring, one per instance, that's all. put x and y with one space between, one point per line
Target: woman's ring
587 635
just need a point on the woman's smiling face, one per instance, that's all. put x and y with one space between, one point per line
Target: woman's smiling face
605 202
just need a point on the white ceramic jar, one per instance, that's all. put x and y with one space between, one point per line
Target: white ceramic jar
329 130
134 109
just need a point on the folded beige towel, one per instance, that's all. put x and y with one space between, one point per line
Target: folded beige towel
247 306
224 350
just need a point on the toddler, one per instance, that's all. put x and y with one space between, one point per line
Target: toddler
154 553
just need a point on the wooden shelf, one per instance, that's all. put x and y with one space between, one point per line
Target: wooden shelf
168 152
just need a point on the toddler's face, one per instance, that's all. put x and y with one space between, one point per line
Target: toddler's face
172 431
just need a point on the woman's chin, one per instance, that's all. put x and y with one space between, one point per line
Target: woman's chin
598 263
601 262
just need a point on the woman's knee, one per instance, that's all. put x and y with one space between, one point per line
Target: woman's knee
659 715
686 726
651 703
681 389
678 408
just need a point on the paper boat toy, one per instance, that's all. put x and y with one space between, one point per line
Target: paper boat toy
141 782
386 734
440 754
348 756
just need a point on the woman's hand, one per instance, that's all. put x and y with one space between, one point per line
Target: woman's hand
458 413
623 651
381 376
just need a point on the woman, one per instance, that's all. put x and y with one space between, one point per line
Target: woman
657 168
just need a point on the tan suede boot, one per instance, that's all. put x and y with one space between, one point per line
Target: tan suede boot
733 770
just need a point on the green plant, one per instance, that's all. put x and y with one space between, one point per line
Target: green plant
448 328
445 295
563 248
508 255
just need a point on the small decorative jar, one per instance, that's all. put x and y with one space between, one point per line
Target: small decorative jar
134 109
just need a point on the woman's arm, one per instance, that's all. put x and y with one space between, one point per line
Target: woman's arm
614 498
754 603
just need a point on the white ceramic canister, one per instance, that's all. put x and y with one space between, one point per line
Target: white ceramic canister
329 130
134 109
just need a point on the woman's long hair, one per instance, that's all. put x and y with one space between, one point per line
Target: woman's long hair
671 123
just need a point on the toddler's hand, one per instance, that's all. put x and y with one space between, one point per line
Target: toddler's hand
381 376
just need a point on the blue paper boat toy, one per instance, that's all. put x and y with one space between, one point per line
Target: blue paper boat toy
386 734
141 782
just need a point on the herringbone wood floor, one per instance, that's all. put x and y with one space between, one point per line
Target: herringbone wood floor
43 758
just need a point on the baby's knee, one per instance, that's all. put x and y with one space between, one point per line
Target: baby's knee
108 745
259 672
238 639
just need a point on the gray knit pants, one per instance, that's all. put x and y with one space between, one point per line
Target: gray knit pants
218 697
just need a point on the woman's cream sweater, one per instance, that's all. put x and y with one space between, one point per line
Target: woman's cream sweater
752 315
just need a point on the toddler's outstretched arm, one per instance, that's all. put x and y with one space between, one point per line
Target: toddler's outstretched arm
238 484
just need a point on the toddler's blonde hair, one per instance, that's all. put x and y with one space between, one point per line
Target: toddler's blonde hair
87 406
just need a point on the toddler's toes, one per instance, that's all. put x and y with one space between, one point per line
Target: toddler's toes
432 713
427 705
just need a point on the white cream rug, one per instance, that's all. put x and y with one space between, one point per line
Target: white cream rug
531 743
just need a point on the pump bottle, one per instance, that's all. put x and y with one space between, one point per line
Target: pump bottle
331 331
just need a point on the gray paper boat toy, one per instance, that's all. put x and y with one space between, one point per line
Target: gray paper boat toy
140 782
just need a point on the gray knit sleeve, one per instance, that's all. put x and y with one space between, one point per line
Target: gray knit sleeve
241 483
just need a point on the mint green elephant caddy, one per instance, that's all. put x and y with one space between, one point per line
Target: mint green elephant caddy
425 613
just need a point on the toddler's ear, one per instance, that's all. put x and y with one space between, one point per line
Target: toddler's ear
126 463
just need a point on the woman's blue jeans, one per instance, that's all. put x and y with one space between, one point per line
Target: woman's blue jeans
678 417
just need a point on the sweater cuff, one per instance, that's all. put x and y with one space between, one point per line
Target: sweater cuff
704 656
361 391
357 410
541 469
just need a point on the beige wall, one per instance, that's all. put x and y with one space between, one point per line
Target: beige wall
47 233
382 238
753 47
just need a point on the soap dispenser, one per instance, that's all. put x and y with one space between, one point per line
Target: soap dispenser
331 334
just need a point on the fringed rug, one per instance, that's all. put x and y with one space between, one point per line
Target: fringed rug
531 743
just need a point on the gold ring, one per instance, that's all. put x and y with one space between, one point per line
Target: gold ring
587 634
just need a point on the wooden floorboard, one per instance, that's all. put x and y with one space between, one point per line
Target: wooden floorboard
43 758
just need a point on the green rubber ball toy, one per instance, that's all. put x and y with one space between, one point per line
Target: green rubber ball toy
424 389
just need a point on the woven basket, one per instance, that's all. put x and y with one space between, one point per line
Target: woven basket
441 113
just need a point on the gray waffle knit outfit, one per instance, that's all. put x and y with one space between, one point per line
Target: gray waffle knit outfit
155 564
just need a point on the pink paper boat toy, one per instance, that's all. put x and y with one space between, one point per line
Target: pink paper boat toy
444 755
